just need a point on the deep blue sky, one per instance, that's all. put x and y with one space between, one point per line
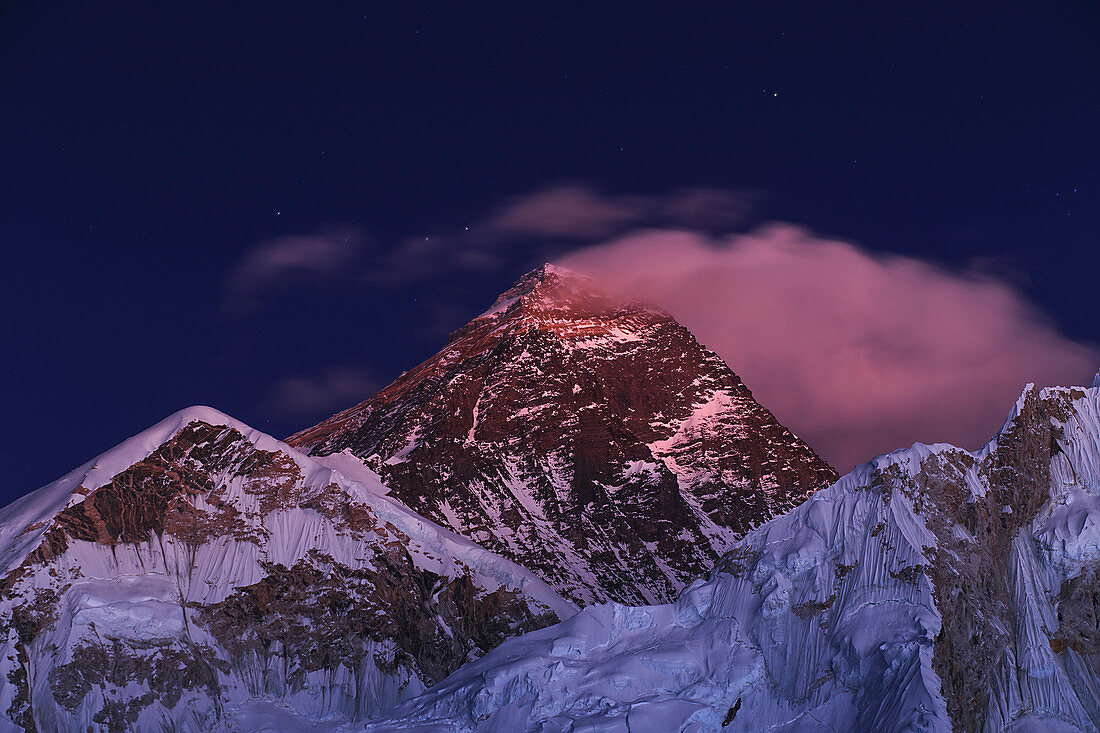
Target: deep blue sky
146 147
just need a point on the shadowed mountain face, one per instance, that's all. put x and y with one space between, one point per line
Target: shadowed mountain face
590 439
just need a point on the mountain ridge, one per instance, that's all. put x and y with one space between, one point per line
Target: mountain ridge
203 563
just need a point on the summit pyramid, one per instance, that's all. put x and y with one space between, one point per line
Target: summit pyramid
584 436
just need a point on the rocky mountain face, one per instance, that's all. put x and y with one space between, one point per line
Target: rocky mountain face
932 589
203 563
589 439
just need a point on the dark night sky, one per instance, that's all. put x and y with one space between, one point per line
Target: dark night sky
149 147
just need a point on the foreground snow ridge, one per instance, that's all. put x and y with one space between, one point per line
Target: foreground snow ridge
181 579
931 589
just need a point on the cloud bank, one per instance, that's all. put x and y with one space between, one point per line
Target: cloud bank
858 353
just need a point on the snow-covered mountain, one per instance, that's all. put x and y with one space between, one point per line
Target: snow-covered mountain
590 439
205 575
932 589
203 563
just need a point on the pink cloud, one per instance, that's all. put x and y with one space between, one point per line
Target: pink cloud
711 209
319 395
858 353
291 260
571 211
579 212
520 232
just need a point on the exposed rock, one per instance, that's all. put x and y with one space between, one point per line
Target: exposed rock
590 439
214 564
932 589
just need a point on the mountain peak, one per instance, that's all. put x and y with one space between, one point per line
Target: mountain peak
159 581
551 270
583 435
548 285
550 273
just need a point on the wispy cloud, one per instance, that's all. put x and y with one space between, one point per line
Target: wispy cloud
292 261
565 212
859 353
522 232
319 395
578 212
527 230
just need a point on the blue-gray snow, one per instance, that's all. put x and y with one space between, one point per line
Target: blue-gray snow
931 589
203 564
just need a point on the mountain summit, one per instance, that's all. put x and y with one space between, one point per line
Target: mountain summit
587 437
552 289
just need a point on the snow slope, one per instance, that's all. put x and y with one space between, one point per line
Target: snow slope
203 563
932 589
